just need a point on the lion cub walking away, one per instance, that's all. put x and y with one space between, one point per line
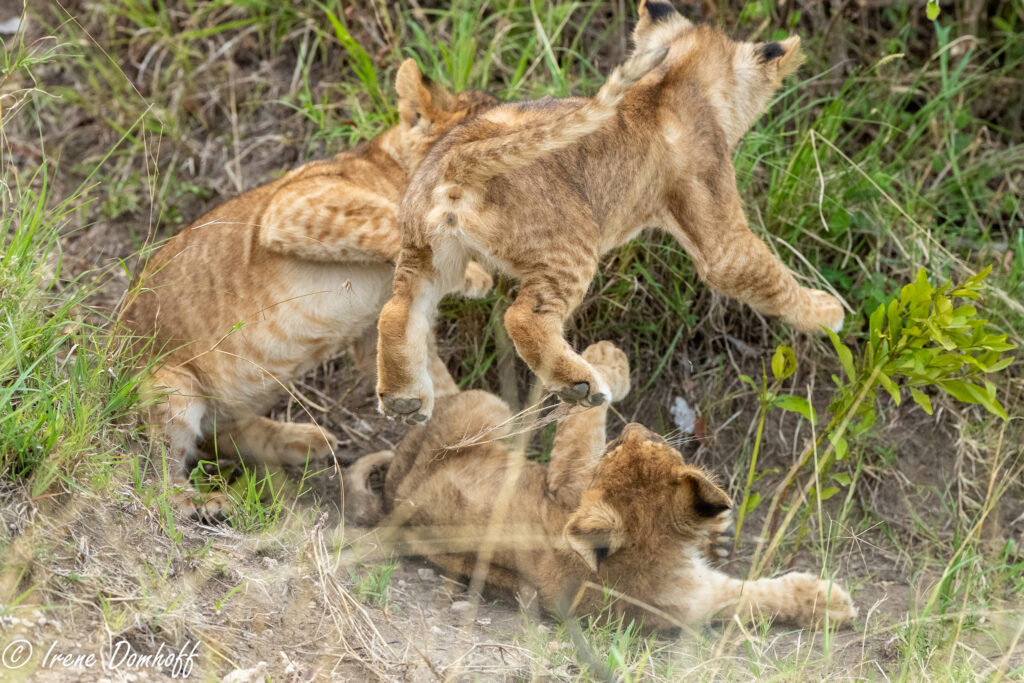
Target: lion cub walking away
542 189
267 285
631 516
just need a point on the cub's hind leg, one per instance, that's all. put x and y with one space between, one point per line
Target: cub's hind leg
178 418
404 384
271 442
363 352
536 321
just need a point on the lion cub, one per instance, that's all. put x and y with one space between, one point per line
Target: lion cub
629 515
269 284
542 189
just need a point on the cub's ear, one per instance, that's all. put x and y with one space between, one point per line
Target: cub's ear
783 56
415 99
652 16
698 497
594 531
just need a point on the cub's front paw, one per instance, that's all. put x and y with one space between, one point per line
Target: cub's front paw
612 364
720 534
819 309
815 598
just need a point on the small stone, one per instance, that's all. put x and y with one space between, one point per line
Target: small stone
257 674
269 562
461 606
427 574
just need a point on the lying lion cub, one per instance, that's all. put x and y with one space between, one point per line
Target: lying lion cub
264 287
635 518
542 189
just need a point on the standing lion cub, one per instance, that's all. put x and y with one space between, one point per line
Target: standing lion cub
630 516
540 190
264 287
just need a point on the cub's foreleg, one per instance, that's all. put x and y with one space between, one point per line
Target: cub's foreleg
178 417
580 437
734 261
271 442
796 598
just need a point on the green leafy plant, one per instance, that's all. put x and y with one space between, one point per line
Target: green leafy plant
783 366
919 339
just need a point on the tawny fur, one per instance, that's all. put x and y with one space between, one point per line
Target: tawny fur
631 516
267 285
540 190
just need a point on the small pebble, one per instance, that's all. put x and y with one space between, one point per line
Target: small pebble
462 606
426 574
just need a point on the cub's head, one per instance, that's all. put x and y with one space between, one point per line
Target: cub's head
737 78
646 515
428 110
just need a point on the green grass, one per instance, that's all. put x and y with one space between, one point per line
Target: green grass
66 387
898 146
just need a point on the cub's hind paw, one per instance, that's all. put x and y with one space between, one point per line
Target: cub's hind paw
580 393
409 410
477 281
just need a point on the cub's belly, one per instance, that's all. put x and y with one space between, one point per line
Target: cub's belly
309 314
334 301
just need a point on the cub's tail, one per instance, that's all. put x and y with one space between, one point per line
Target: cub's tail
522 143
363 507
